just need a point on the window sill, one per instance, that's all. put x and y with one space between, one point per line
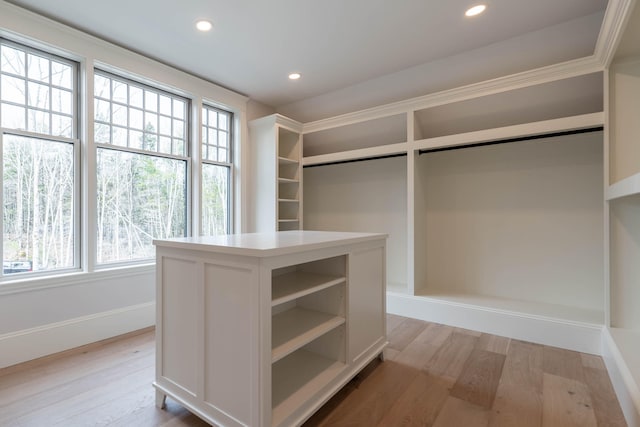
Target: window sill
29 284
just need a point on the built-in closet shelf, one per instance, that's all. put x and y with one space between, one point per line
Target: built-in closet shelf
288 220
297 327
545 127
628 343
363 153
290 286
288 200
298 377
287 161
287 181
519 307
626 187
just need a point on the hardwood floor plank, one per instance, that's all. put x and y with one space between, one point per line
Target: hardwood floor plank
566 403
605 404
516 406
524 365
420 404
393 321
478 381
405 332
369 403
434 334
563 363
518 399
450 358
66 409
52 394
459 413
493 343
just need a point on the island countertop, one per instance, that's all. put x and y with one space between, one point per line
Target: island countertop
267 244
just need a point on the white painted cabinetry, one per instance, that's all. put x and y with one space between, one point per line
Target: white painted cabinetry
262 329
276 159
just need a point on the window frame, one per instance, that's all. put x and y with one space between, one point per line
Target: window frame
185 157
74 140
229 164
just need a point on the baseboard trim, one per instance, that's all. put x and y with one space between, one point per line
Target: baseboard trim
583 337
29 344
624 385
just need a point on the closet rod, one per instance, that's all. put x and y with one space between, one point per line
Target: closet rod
338 162
518 139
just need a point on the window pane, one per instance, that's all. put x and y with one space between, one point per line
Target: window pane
135 118
102 110
165 144
38 121
102 86
119 136
136 96
136 139
179 109
12 61
165 125
120 92
223 122
13 117
165 105
61 125
101 133
150 101
38 96
38 68
61 75
13 90
223 138
215 196
119 115
38 205
61 101
140 198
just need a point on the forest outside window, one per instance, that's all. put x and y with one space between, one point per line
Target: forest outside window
38 135
142 166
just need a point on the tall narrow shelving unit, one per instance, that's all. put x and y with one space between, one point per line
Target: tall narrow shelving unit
276 154
621 348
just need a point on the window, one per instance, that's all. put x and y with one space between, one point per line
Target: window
217 170
142 167
38 127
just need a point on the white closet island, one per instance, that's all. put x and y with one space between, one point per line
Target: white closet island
261 329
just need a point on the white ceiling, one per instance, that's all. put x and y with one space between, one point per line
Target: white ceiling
352 54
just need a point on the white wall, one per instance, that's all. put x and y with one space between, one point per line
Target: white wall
520 220
46 315
366 196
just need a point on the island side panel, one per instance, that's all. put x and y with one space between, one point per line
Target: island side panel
232 353
367 287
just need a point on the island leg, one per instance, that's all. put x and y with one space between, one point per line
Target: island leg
161 399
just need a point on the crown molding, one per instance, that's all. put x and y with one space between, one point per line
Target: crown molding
613 25
568 69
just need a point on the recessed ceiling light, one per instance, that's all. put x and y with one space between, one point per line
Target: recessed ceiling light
294 76
204 25
475 10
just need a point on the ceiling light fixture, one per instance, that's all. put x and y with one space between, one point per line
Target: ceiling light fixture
204 25
475 10
294 76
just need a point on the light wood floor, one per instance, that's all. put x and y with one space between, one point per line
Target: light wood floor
434 375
